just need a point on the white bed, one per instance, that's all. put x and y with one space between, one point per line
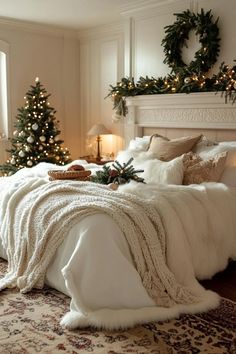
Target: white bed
94 266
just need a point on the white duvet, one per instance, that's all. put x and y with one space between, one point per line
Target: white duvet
94 266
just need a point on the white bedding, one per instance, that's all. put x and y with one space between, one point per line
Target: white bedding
94 266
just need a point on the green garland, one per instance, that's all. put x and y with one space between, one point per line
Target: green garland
224 81
183 79
178 33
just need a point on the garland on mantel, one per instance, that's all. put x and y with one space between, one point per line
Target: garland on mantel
185 79
224 81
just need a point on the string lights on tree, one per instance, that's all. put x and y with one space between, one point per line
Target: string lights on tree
36 135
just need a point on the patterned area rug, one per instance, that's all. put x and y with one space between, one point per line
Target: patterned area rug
30 324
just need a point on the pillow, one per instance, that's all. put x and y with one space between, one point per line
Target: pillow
160 172
206 152
139 144
203 142
166 150
198 171
155 171
229 174
138 156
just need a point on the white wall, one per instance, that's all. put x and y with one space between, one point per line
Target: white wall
101 64
52 55
77 68
148 32
138 39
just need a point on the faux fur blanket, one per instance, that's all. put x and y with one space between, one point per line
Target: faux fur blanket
39 214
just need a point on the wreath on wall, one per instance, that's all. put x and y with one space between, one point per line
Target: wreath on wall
183 78
178 33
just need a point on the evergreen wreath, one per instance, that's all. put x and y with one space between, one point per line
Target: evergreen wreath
183 78
178 33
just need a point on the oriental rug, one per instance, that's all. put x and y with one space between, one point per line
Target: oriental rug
29 324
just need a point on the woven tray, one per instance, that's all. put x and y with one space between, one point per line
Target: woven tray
78 175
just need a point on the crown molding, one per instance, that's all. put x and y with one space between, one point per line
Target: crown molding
33 27
140 5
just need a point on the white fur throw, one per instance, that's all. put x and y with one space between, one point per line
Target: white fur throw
39 220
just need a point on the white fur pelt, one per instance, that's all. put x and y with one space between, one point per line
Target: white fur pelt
199 221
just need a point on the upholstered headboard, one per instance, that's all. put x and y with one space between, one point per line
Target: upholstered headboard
175 115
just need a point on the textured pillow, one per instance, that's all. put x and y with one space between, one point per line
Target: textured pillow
206 152
139 143
161 172
229 174
166 150
203 143
198 171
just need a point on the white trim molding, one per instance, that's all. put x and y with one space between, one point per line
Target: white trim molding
191 111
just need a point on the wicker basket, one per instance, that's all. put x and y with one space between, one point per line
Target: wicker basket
76 175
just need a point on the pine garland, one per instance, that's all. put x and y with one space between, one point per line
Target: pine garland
120 174
183 78
224 81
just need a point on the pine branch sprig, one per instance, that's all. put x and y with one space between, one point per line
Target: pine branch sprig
119 174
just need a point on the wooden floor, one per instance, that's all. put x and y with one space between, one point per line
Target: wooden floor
224 283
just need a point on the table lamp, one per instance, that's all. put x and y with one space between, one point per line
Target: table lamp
98 130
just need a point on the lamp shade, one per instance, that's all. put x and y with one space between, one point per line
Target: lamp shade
98 129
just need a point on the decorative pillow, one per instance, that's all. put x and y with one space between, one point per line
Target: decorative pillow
203 143
229 174
206 152
155 171
166 150
161 172
139 156
198 171
139 144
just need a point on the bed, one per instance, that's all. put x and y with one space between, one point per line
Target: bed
94 263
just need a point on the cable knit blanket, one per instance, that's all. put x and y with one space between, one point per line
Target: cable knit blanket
39 214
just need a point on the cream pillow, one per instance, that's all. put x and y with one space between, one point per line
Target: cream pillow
198 171
161 172
166 150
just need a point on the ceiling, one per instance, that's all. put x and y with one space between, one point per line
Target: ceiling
72 14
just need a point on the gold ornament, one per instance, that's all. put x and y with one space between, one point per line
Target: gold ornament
42 138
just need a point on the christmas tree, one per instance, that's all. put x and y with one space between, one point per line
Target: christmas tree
35 138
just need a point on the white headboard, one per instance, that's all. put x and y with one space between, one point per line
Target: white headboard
180 114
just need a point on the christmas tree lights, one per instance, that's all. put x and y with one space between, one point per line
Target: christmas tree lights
36 135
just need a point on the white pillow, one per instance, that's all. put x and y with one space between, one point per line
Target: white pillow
155 171
139 156
161 172
139 144
229 175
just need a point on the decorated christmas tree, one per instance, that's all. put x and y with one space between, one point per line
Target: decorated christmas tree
35 138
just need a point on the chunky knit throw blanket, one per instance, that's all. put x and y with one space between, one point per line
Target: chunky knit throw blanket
39 214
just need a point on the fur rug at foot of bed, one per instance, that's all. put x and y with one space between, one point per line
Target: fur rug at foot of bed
30 324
